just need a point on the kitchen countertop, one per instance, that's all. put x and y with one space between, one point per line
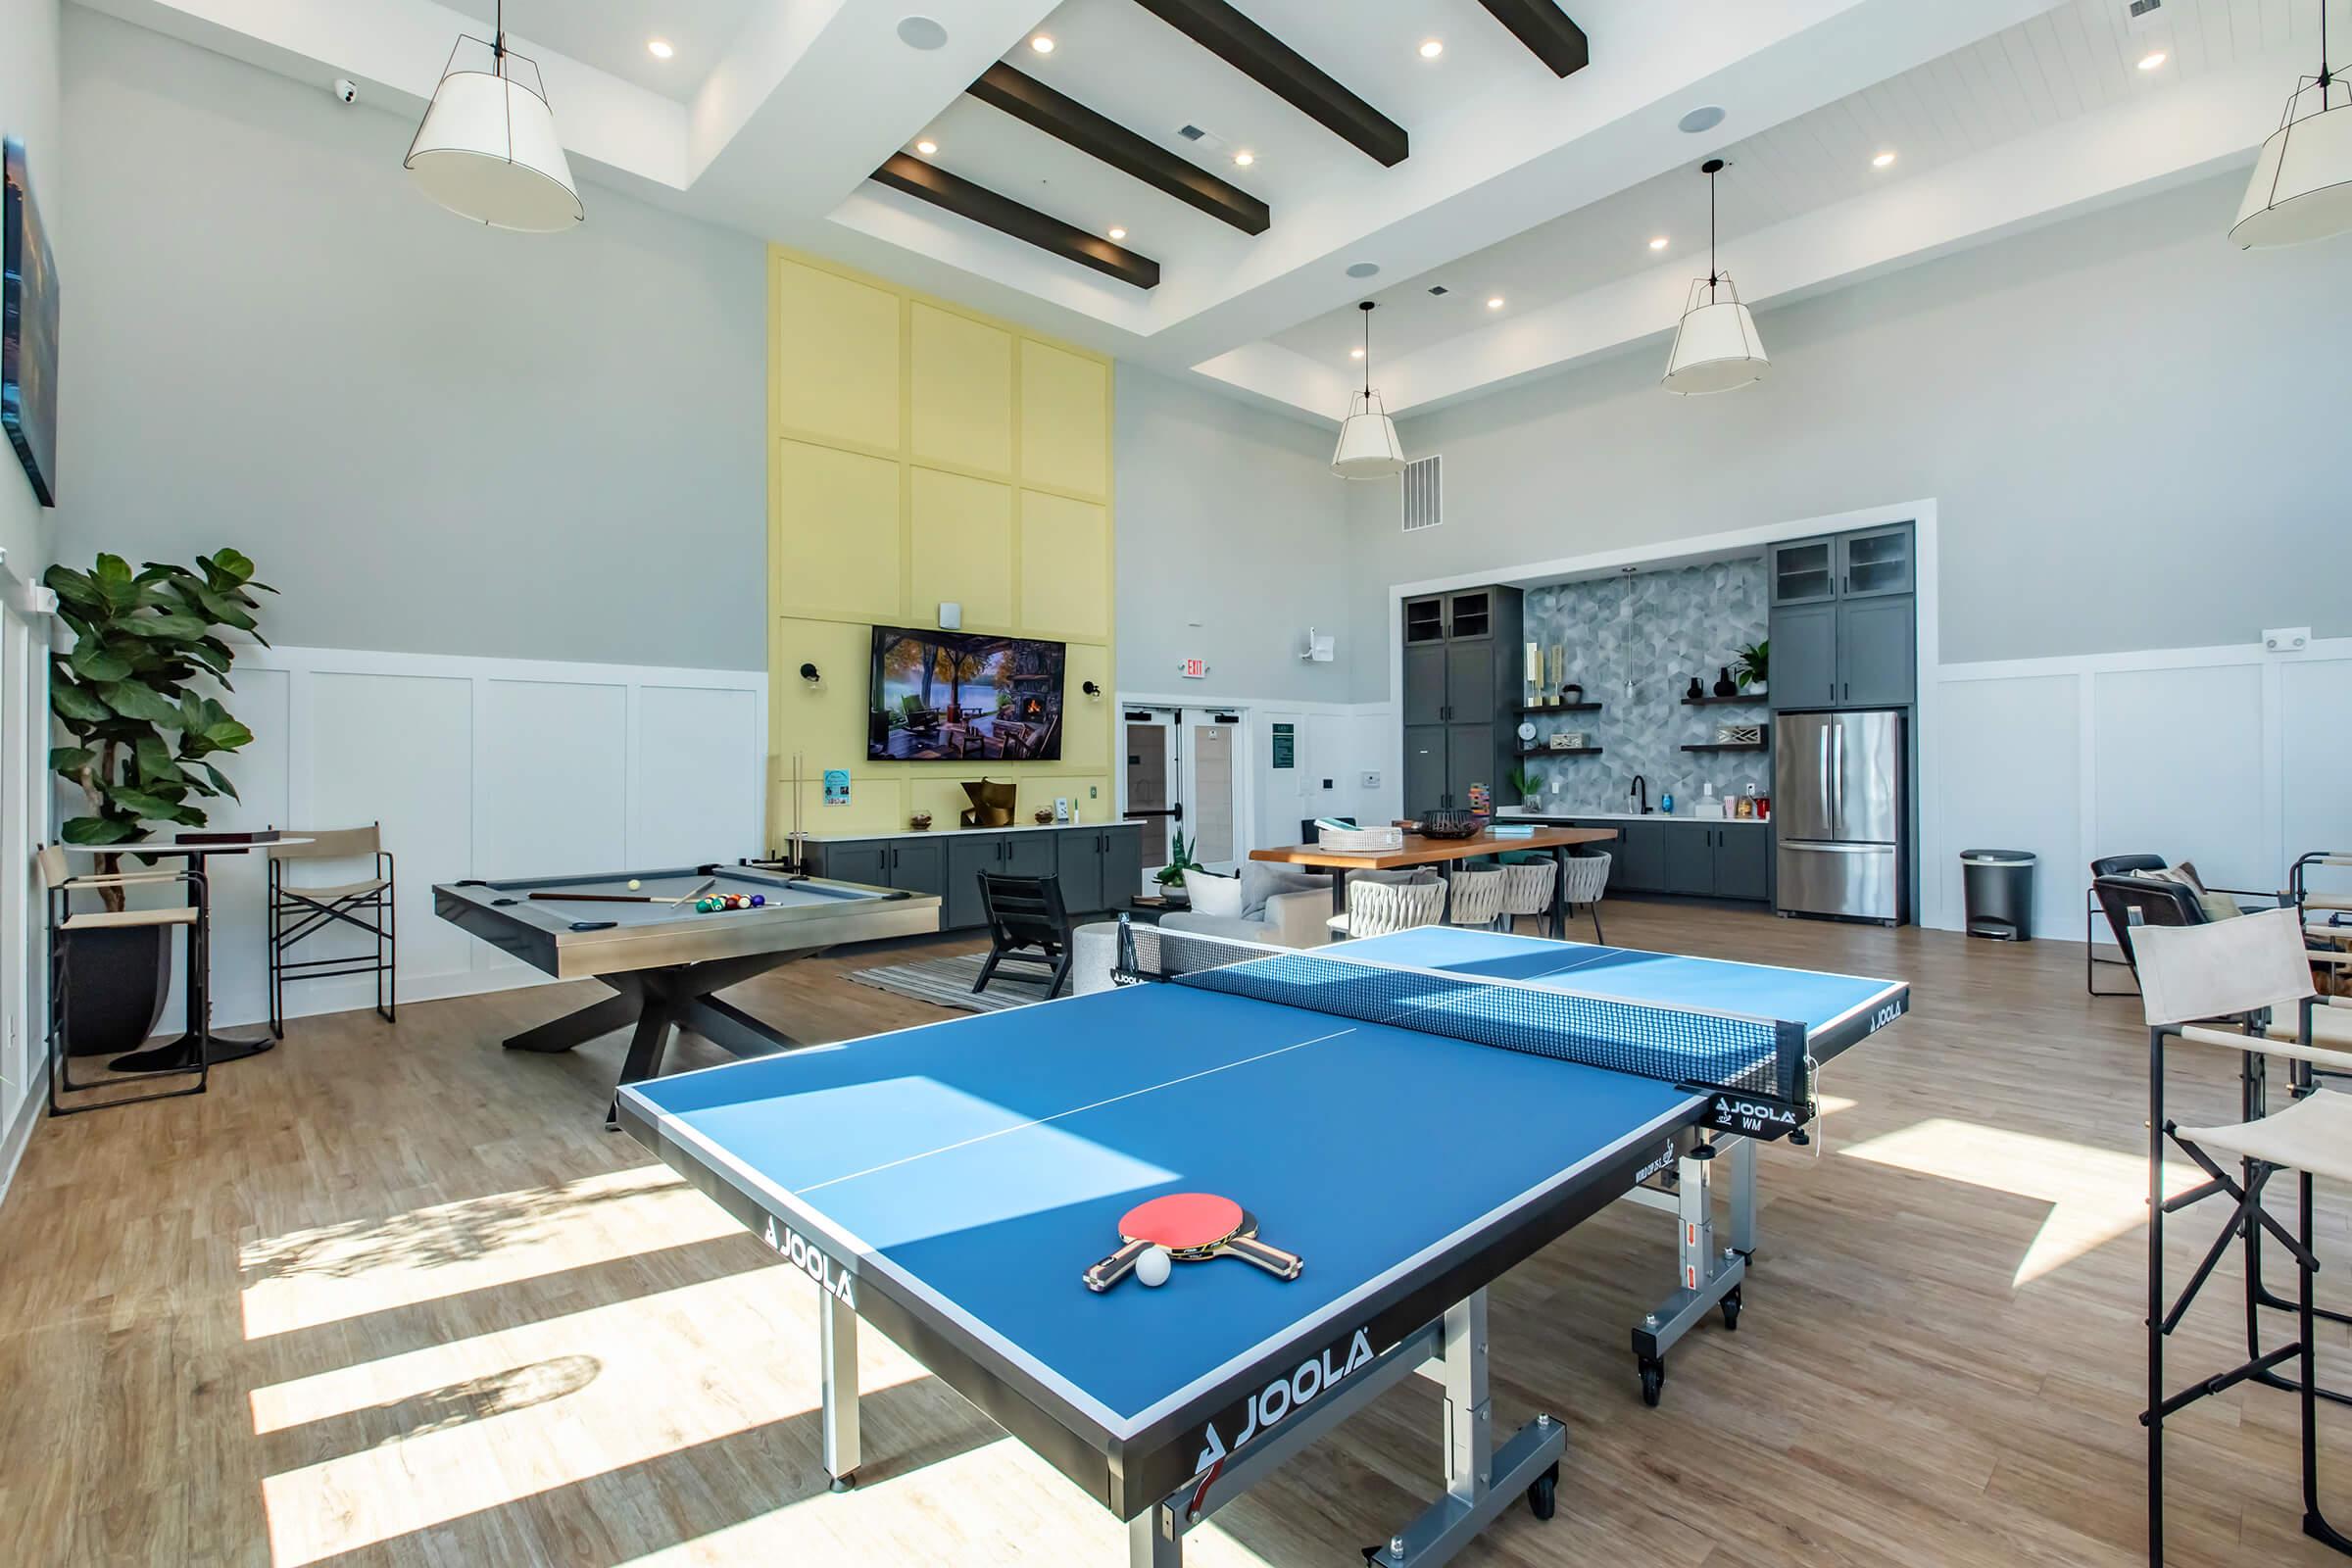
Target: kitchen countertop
949 830
1511 815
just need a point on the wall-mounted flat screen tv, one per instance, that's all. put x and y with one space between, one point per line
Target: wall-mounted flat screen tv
957 697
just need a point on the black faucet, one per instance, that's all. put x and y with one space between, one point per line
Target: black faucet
1639 789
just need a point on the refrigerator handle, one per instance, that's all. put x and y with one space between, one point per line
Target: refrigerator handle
1838 778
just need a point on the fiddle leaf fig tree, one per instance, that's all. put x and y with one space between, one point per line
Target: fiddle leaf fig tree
143 742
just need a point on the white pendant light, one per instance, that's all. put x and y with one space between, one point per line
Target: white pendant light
1368 447
487 147
2302 184
1716 349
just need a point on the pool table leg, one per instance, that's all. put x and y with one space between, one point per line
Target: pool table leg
578 1028
646 1048
730 1028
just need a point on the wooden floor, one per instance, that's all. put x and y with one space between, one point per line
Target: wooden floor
390 1294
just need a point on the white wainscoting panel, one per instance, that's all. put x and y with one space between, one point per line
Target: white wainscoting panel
474 768
2233 758
2011 780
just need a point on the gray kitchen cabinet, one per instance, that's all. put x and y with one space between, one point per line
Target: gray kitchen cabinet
969 855
917 866
1122 866
1425 683
1743 863
1424 769
1469 760
1469 682
1843 621
1877 652
1804 656
1029 854
1641 852
1874 562
1079 868
1689 861
867 862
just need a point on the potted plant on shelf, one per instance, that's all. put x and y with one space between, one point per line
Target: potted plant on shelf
1751 664
1170 877
1524 780
143 746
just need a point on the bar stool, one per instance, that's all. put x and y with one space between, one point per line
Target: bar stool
2244 971
61 885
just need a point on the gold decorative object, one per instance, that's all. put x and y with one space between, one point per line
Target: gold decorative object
991 803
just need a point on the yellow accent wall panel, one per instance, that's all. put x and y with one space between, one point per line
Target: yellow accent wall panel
1085 722
962 391
836 350
1065 565
1065 418
826 724
835 551
963 549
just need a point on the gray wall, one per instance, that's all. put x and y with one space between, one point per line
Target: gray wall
29 70
2136 435
1229 517
430 435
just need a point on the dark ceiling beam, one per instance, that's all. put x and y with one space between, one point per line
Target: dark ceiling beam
1284 72
931 184
1545 29
1065 118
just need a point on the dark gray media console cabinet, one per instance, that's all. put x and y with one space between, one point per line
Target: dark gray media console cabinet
1100 864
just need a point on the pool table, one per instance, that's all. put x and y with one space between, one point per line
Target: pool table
665 960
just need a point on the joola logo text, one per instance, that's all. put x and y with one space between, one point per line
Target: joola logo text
1284 1395
802 1254
1750 1116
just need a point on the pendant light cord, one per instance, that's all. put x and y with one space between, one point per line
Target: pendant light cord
1713 272
498 50
1367 359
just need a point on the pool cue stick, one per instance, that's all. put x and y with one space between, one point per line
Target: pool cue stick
599 897
709 883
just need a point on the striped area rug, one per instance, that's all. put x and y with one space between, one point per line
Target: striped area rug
947 983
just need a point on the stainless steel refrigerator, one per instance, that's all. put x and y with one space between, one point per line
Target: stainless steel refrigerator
1838 811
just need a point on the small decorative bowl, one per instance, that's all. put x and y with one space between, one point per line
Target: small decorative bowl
1044 815
921 821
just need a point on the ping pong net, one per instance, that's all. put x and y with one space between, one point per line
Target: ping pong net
1760 1061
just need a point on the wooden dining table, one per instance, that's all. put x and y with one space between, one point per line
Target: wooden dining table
1444 855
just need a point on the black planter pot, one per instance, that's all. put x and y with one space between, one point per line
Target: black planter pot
117 980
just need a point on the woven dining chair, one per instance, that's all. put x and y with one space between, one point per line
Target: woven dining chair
1477 897
1376 908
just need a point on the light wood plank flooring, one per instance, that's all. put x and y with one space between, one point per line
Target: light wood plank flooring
390 1294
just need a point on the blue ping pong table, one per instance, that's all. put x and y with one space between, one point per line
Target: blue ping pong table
1412 1115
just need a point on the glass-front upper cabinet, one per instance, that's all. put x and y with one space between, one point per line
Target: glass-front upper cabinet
1469 614
1804 572
1876 561
1425 621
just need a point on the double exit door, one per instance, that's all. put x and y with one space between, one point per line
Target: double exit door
1179 779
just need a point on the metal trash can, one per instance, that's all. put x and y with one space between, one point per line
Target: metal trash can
1998 886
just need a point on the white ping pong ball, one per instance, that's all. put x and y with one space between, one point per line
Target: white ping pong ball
1152 1267
634 884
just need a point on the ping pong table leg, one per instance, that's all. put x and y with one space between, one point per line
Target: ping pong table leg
1469 1415
837 1351
1743 1194
1153 1539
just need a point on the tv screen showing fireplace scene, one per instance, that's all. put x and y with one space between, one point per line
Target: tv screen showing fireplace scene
950 696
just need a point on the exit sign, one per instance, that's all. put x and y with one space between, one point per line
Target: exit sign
1194 669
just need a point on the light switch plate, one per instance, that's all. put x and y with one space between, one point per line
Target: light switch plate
2287 639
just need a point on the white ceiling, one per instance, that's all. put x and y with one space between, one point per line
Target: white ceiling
2003 114
612 35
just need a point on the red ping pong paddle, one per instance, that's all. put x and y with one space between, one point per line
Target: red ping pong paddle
1193 1227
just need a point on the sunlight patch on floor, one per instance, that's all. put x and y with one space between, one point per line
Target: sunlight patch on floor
569 1397
2096 1195
964 1509
330 1273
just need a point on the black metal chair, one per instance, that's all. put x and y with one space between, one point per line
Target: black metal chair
2132 876
2109 866
364 906
1025 912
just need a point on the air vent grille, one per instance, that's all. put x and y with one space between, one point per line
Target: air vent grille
2140 7
1424 495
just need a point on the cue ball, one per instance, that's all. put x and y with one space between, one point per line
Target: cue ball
634 884
1152 1267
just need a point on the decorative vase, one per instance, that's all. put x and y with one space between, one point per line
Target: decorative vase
1724 684
118 978
921 821
1044 815
1696 692
1571 694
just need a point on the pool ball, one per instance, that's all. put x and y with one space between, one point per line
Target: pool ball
634 884
758 900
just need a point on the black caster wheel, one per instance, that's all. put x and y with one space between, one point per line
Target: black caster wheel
1543 1493
1654 1380
1731 1309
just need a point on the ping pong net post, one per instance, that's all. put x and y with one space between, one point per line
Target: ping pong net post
1757 1070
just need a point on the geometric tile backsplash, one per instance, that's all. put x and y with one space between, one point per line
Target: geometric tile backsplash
1658 629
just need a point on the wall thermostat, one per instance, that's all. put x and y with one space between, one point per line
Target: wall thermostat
951 615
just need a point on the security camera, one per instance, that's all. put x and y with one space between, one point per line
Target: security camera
346 89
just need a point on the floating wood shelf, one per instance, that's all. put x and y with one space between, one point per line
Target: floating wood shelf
1744 700
1564 707
1726 746
1562 750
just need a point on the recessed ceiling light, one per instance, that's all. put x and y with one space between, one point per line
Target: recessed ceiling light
1494 304
1430 48
1117 233
1706 117
1355 354
926 147
1244 158
1658 244
1041 44
659 48
1882 161
2151 59
1363 268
